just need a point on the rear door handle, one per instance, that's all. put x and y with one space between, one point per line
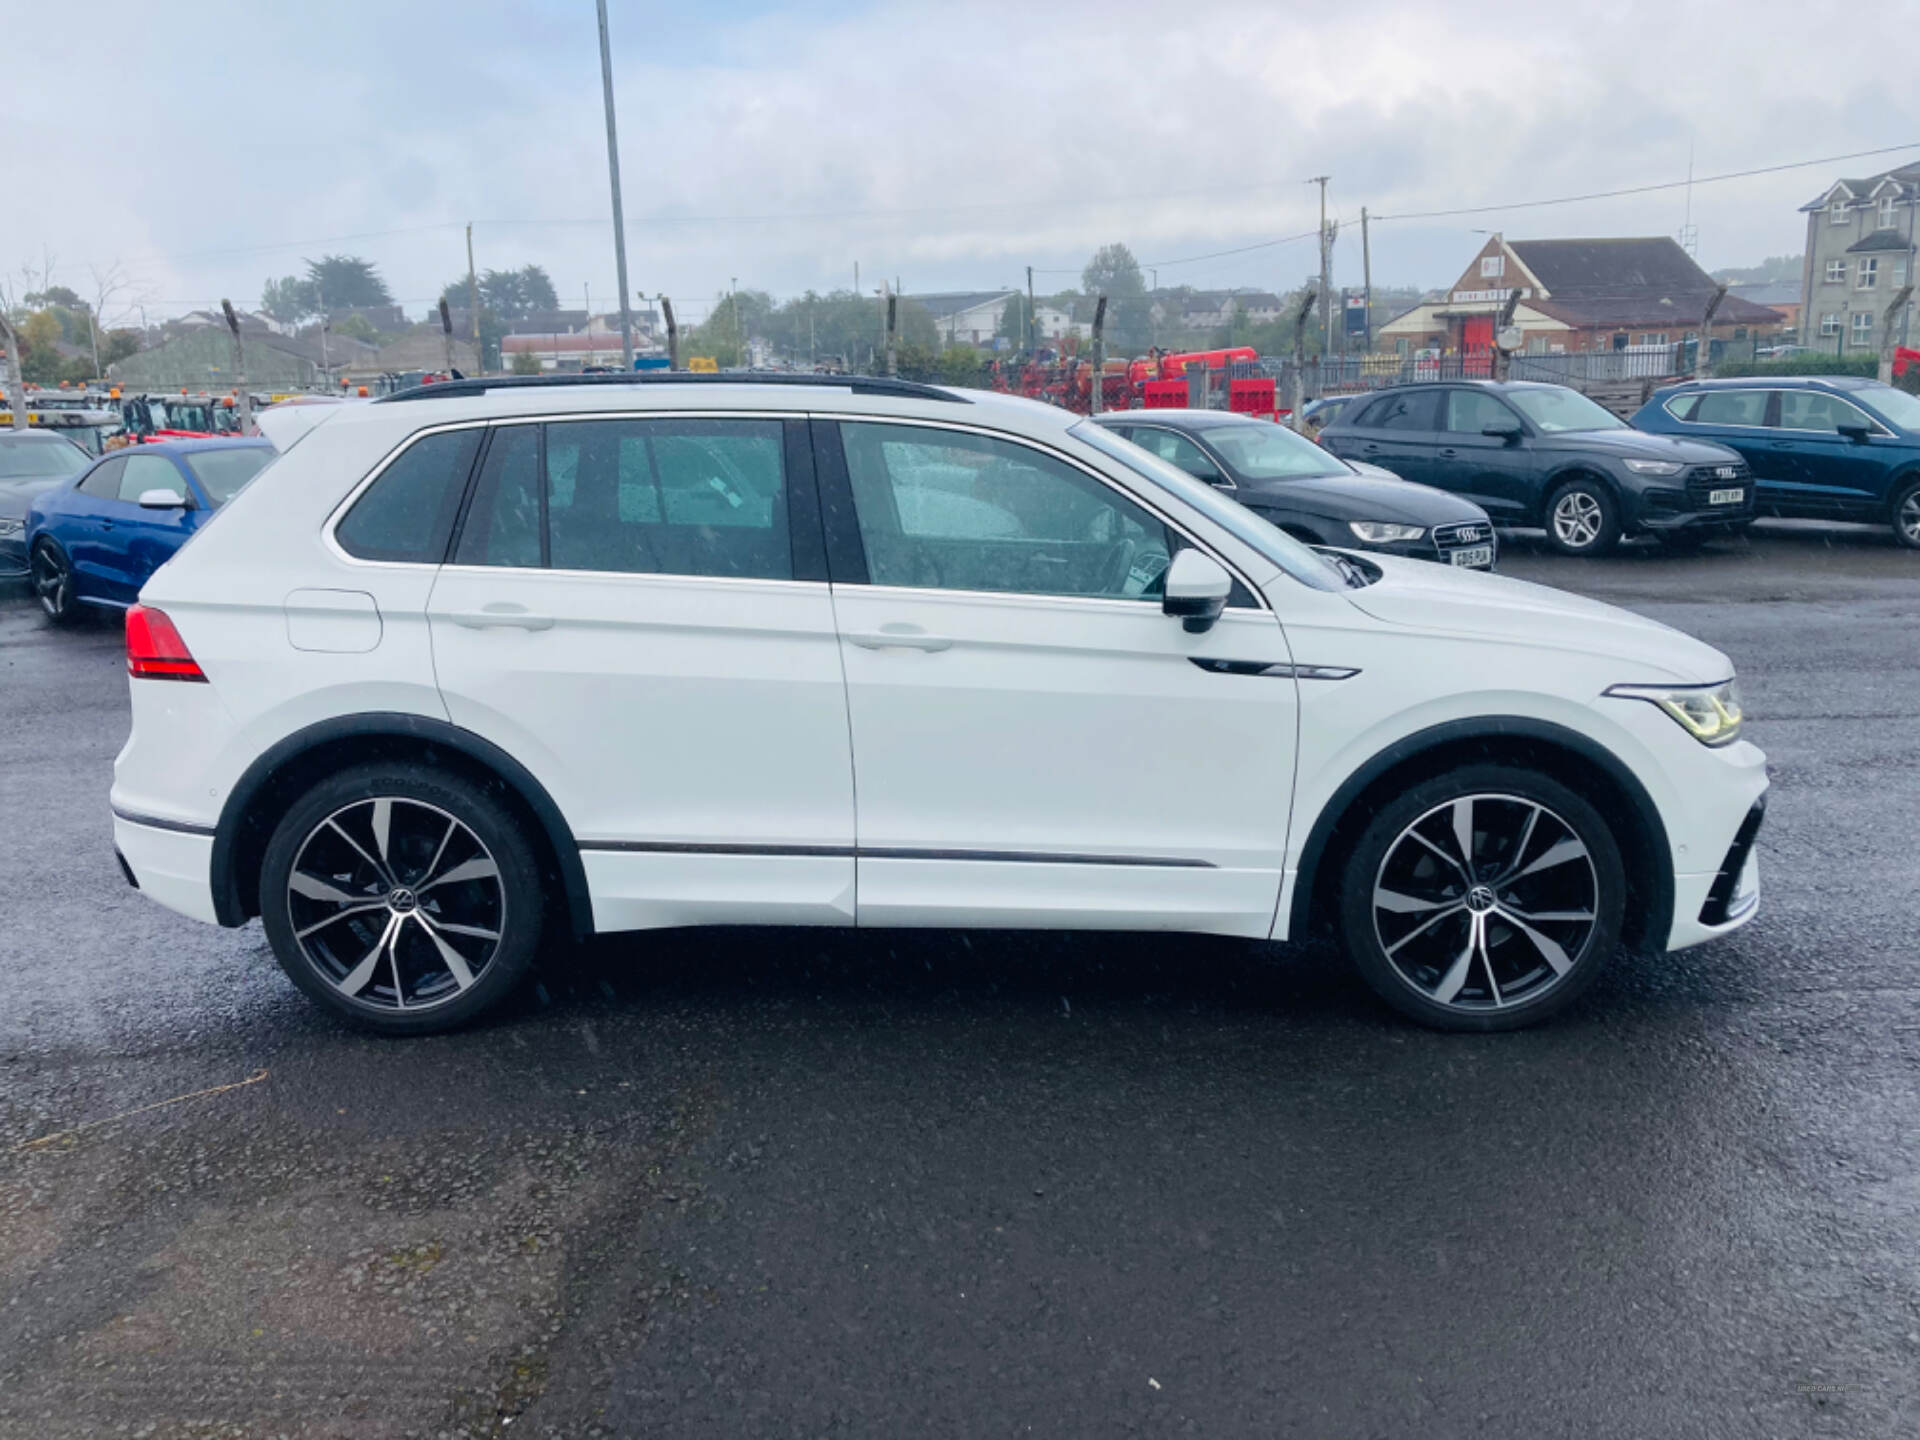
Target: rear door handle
1448 453
502 617
900 637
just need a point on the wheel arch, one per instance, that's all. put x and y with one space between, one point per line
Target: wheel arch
1573 759
288 768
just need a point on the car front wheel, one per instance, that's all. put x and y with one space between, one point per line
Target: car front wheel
52 582
1582 518
1906 516
1487 898
403 899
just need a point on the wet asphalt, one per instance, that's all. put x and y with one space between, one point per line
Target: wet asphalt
804 1183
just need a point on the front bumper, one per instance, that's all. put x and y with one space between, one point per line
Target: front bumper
1438 545
1685 502
13 555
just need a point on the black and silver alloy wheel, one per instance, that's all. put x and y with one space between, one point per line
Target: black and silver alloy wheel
1485 902
396 903
1486 898
401 897
52 581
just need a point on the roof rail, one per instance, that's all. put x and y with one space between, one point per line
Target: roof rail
858 384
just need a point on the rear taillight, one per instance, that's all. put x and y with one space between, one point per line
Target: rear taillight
155 650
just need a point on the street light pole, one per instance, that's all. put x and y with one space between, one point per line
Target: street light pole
613 170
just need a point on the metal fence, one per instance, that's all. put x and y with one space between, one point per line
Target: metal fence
1355 374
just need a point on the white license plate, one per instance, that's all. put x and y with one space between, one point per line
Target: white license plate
1473 555
1725 497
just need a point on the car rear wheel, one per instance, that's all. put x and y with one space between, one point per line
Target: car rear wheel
1487 898
403 899
1906 516
1582 518
53 582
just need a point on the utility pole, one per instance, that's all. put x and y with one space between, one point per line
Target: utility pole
1295 398
1326 268
446 333
473 304
1887 336
1703 349
673 333
241 397
613 170
326 365
16 384
1097 402
733 304
1033 325
893 316
1366 277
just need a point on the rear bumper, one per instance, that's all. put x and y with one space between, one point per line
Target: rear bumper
168 861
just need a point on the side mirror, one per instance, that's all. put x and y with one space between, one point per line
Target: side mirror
1508 433
1197 587
162 500
1856 433
1209 475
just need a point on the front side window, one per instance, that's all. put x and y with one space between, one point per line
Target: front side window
1469 412
148 472
1899 408
947 510
1175 449
407 514
1553 408
104 482
1816 410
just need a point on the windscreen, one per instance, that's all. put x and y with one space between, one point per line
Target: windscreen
1553 409
1896 406
37 459
1260 451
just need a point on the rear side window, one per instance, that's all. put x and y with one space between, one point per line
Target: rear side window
407 514
1731 407
643 497
1414 411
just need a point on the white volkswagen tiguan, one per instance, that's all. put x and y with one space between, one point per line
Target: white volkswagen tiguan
495 660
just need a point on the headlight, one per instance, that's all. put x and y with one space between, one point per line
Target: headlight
1655 467
1709 713
11 527
1377 532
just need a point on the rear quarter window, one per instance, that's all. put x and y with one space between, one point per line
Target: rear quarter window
407 514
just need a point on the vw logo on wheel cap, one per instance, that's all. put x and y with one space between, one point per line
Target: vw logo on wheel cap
1480 899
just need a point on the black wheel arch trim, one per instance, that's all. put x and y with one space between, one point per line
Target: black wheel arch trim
1493 727
230 909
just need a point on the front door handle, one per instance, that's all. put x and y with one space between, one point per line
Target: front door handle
900 637
1448 453
502 617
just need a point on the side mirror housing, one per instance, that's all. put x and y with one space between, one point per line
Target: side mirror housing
1856 433
1197 587
162 500
1508 433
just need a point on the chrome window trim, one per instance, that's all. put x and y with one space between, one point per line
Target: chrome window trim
1874 428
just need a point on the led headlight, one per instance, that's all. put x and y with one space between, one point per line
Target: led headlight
11 527
1655 467
1709 713
1378 532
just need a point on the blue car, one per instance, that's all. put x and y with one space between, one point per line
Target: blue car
1832 447
95 539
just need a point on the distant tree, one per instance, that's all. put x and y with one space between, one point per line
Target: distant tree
359 327
53 295
1013 321
1774 270
343 282
524 363
118 345
537 287
1113 272
961 365
288 299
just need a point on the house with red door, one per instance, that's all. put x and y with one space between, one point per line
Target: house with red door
1576 296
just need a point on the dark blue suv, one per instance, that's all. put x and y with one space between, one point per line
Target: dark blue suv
1820 447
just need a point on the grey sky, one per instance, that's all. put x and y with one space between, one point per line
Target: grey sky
210 146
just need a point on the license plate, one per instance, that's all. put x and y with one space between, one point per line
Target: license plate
1473 555
1726 497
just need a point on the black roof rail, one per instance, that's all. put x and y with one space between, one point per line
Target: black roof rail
858 384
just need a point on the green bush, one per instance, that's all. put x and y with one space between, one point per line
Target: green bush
1812 363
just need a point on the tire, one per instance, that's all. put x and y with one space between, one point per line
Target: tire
1906 515
1582 518
52 580
433 887
1443 942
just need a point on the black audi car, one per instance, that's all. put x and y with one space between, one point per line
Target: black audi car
1309 492
1546 455
30 461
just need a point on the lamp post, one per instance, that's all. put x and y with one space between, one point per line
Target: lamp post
613 171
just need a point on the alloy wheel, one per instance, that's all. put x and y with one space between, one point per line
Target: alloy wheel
52 582
1486 902
1909 518
396 903
1577 519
